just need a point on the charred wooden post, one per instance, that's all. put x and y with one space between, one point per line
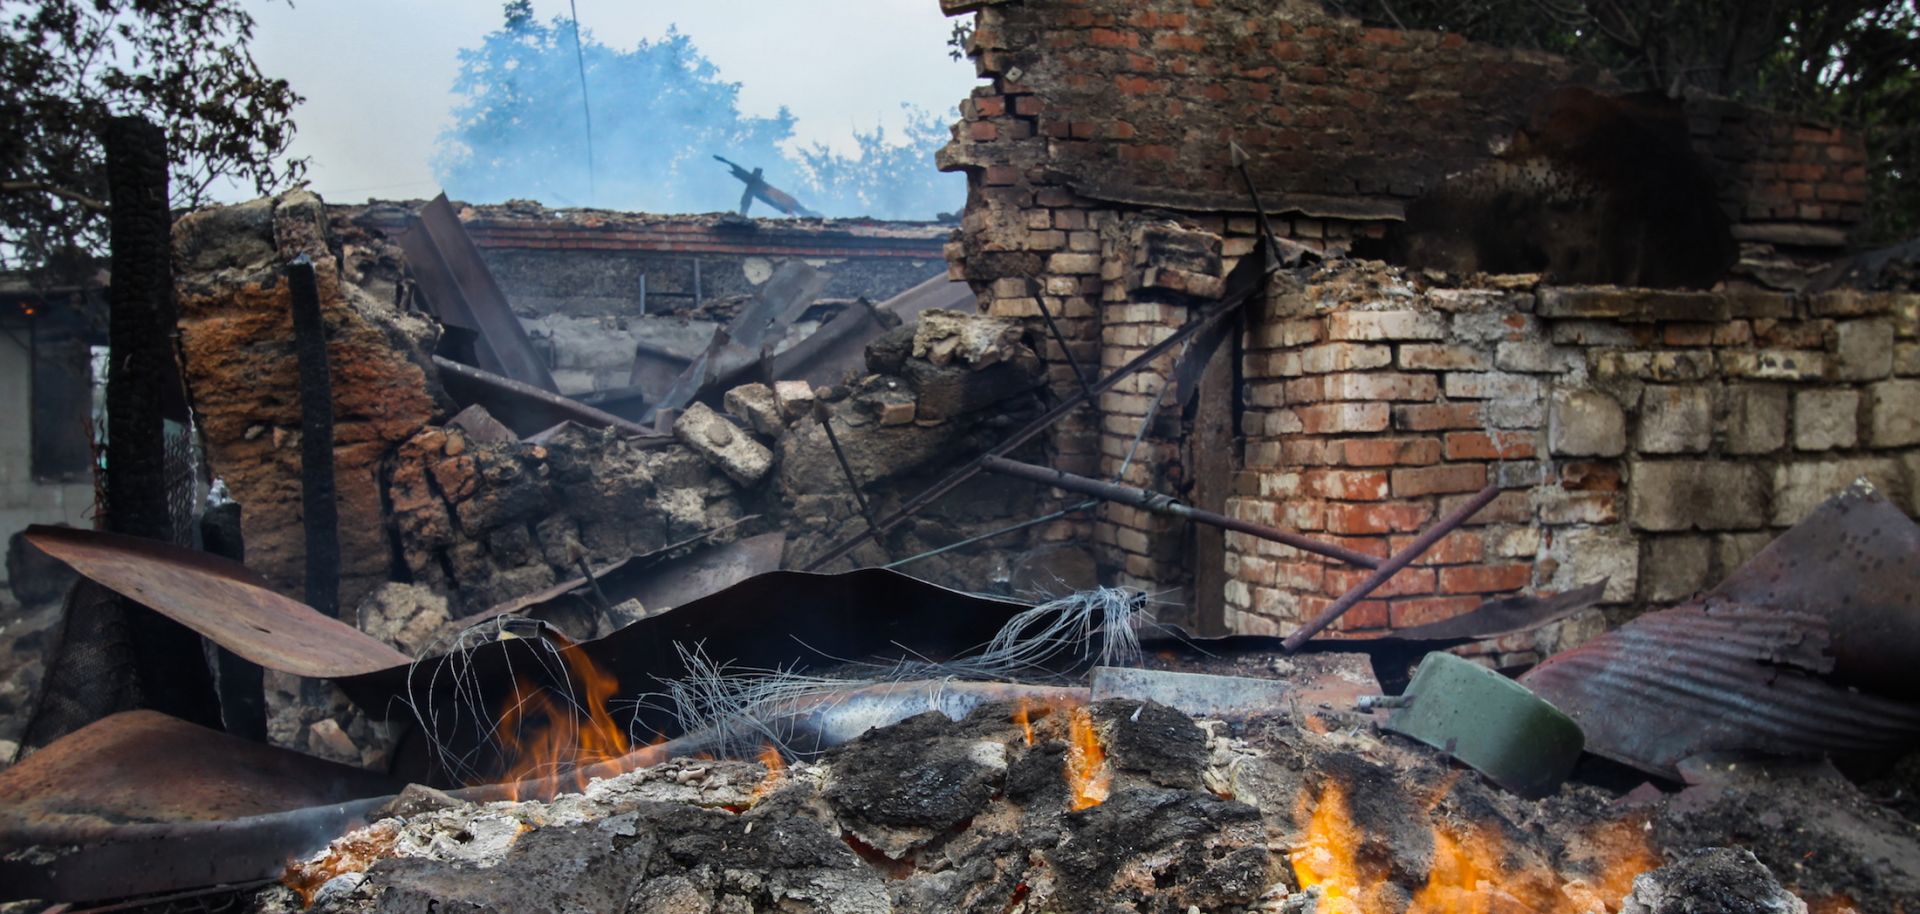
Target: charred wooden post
319 502
140 324
171 672
240 682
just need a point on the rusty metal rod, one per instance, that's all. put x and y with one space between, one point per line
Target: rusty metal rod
1065 350
567 406
1392 566
1166 504
821 413
1041 423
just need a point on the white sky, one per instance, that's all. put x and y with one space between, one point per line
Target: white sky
378 74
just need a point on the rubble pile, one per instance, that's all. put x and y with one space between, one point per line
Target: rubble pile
978 815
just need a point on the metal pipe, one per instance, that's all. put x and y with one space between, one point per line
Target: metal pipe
1392 566
1041 423
1065 350
1166 504
571 408
319 501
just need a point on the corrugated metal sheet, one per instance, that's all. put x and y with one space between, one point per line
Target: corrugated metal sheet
1798 653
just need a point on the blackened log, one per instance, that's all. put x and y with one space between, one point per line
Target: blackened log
240 682
170 668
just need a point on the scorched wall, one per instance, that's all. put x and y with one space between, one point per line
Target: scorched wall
1653 438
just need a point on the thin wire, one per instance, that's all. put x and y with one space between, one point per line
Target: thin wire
1146 422
580 57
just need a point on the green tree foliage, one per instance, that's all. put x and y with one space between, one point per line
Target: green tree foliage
67 65
1849 60
659 113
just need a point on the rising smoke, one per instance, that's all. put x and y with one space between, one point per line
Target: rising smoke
659 113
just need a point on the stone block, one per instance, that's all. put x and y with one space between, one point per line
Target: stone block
1732 550
1328 357
1634 305
1654 366
1755 419
1492 385
1773 364
730 449
1586 423
1673 495
1673 568
1798 488
1443 357
1862 350
1536 357
757 405
1675 420
795 398
1851 303
1893 413
1824 420
1580 556
1371 326
1906 359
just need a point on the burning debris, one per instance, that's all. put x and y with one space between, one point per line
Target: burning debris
1383 545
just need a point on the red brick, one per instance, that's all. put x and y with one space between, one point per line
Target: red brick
1513 507
1002 174
1590 476
990 105
1338 418
1110 38
1426 610
1461 547
1427 417
1365 518
1173 41
1689 334
1485 446
1459 477
1375 546
1349 485
1409 582
1377 452
1365 614
1028 105
983 131
1484 578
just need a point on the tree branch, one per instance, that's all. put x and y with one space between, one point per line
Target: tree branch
25 187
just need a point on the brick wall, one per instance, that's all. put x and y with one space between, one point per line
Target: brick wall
1653 438
1656 438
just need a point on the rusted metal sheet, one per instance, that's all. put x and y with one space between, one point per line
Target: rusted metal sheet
1798 653
463 294
144 766
221 600
141 802
658 582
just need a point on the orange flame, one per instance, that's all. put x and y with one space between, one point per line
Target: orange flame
1087 773
1023 715
353 852
1473 871
544 740
776 766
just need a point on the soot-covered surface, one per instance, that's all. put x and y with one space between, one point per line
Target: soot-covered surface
977 816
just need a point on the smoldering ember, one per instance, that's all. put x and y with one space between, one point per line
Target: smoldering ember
1327 465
